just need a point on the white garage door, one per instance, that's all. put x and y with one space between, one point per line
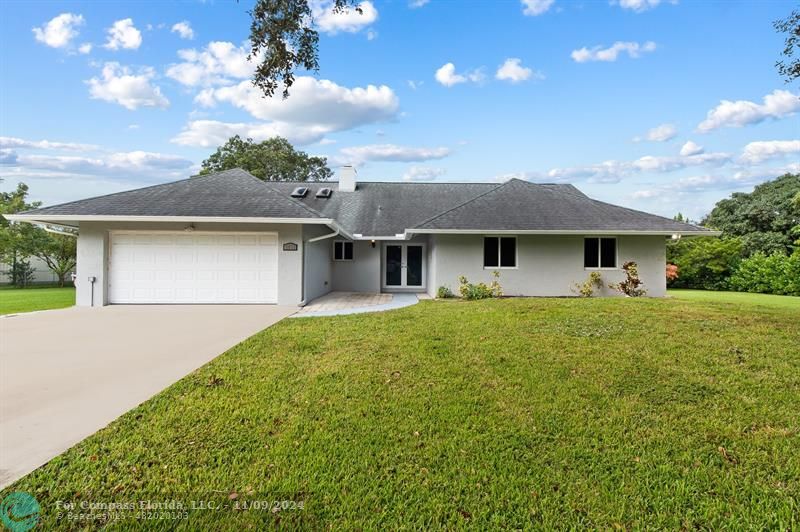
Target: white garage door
193 267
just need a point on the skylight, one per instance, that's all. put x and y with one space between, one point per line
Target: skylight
300 192
324 192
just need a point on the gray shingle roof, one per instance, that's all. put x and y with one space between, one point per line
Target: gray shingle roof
523 206
232 193
379 209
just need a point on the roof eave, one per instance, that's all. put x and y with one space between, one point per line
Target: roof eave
565 232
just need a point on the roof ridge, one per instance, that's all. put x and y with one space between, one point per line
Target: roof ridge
494 189
264 183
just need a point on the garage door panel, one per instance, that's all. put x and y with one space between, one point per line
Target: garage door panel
193 268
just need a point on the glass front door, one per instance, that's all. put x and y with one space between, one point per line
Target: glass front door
404 266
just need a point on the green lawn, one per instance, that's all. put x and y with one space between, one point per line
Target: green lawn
743 299
516 413
13 300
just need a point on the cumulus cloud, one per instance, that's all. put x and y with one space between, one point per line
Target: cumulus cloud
661 133
759 151
690 148
391 152
415 4
446 75
536 7
598 53
85 48
641 5
778 104
212 133
218 63
423 173
123 34
513 71
349 20
118 84
59 31
18 143
183 29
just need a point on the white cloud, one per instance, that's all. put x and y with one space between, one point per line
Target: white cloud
661 133
598 53
423 173
212 133
756 152
119 85
184 29
614 171
348 20
316 107
690 148
641 5
218 63
778 104
414 4
8 157
372 35
123 34
59 31
414 85
85 48
129 162
447 76
536 7
14 142
391 152
513 71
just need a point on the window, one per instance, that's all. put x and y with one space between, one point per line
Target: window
500 252
342 250
600 253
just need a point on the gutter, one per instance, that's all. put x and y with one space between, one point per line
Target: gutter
560 232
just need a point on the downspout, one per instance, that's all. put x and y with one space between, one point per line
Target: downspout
303 259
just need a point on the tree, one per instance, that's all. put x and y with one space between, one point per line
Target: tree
274 159
283 31
764 219
789 67
59 252
16 240
704 262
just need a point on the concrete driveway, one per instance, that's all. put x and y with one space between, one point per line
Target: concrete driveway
64 374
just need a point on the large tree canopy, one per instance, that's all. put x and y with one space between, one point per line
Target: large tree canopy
283 37
764 219
274 159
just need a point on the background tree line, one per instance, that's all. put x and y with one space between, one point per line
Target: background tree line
759 250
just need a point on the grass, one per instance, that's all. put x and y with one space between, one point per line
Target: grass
14 300
516 413
743 299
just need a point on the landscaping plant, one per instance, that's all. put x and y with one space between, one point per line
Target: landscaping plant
587 288
631 285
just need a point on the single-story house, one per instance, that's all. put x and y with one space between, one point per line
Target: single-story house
232 238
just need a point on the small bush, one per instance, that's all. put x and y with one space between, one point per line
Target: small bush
472 291
444 292
631 285
587 288
672 272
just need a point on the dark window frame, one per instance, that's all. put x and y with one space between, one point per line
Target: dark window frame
343 245
599 246
499 245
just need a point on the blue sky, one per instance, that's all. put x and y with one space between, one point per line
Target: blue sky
658 105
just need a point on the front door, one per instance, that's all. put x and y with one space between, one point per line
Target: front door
404 266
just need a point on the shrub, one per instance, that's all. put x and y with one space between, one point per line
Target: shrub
587 288
672 272
705 263
444 292
480 290
768 274
630 286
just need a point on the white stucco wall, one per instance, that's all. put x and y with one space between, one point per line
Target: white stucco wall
318 264
363 273
546 265
93 255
